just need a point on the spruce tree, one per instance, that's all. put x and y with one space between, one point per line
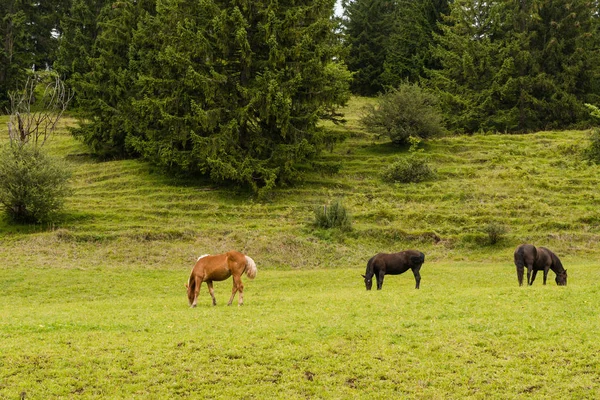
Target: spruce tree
517 66
79 32
13 54
368 25
235 90
408 50
29 32
106 90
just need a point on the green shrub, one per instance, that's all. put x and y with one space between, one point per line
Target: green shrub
494 232
592 152
32 185
333 216
404 112
412 169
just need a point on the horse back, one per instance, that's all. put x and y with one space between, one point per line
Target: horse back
213 267
545 258
525 254
398 263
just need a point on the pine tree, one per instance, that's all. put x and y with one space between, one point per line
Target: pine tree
13 57
106 90
516 65
235 90
79 32
29 33
368 25
408 50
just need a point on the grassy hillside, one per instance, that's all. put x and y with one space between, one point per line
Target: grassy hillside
94 306
535 185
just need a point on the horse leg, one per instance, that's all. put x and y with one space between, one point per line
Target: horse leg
533 276
196 291
520 271
529 269
237 286
380 276
546 269
417 275
212 292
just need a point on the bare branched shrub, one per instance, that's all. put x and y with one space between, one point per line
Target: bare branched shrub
33 185
36 109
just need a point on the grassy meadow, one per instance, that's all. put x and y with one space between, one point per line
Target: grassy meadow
94 306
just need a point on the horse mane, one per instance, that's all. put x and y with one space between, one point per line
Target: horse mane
556 262
250 268
203 255
370 265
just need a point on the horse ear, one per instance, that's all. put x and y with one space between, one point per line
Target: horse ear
363 276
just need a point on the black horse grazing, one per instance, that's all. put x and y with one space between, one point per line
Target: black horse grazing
538 259
393 264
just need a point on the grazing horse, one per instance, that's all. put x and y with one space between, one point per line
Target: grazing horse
538 259
393 264
219 267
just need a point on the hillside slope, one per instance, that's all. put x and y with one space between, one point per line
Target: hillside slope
124 213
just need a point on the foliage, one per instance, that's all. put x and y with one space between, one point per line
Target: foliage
408 52
411 169
389 41
511 66
33 186
225 102
333 216
494 232
28 38
525 181
367 26
592 152
105 86
80 30
36 109
405 112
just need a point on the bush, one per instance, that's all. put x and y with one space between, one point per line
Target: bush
494 232
333 216
32 185
592 152
412 169
404 112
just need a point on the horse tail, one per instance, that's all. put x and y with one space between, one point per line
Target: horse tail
520 257
250 268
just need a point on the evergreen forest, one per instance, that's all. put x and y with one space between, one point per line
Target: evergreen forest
236 91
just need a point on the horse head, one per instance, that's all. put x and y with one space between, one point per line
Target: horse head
561 278
368 281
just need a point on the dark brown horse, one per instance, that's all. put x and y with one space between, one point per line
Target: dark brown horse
538 259
393 264
219 267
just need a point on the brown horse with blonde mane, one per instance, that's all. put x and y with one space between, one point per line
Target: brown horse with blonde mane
219 267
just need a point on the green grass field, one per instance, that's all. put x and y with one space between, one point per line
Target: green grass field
94 306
